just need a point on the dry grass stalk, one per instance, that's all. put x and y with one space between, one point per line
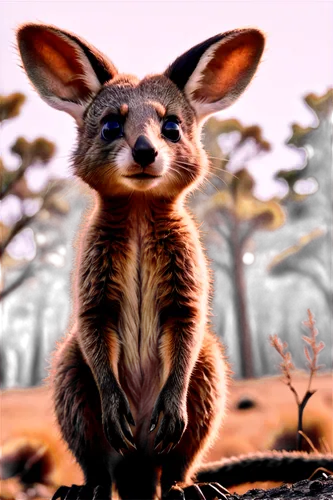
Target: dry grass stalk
311 351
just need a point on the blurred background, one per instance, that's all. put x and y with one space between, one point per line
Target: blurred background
265 215
265 212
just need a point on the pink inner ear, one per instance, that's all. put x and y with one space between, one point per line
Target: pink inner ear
58 64
231 68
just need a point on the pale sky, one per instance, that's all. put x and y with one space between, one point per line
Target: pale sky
144 37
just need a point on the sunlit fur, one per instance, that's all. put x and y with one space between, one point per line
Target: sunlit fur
106 166
143 288
137 227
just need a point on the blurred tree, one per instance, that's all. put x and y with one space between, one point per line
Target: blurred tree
10 105
35 292
299 274
265 254
309 185
232 219
230 146
39 151
236 214
270 258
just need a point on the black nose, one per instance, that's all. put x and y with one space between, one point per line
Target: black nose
144 152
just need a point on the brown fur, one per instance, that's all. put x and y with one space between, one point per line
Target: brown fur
140 374
142 363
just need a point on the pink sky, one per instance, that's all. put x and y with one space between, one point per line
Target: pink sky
144 37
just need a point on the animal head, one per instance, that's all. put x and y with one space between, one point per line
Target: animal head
139 135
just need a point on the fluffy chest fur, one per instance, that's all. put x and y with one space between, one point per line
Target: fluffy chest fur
140 270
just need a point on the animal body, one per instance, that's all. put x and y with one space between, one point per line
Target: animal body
140 383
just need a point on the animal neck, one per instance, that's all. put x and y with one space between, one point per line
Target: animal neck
134 209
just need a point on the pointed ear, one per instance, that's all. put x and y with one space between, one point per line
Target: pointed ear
64 69
214 73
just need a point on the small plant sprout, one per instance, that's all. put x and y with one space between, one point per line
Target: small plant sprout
311 351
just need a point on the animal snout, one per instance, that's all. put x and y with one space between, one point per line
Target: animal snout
144 152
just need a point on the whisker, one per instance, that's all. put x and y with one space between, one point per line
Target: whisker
212 174
212 167
217 157
173 177
175 170
198 188
75 183
180 166
183 167
215 187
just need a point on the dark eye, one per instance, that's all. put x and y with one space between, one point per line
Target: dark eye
171 129
111 130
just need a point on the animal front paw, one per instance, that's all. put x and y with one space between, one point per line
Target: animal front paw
117 418
172 425
84 492
199 491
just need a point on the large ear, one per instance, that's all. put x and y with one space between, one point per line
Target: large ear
214 73
64 69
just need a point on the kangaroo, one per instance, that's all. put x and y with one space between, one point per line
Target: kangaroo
140 383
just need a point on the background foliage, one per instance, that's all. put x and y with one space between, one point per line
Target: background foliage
271 258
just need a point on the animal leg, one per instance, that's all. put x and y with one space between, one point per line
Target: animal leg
78 410
205 408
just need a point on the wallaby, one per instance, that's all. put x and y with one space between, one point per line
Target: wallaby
140 383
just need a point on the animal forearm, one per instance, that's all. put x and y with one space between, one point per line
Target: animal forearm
100 347
181 343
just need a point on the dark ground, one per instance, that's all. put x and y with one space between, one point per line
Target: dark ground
319 489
